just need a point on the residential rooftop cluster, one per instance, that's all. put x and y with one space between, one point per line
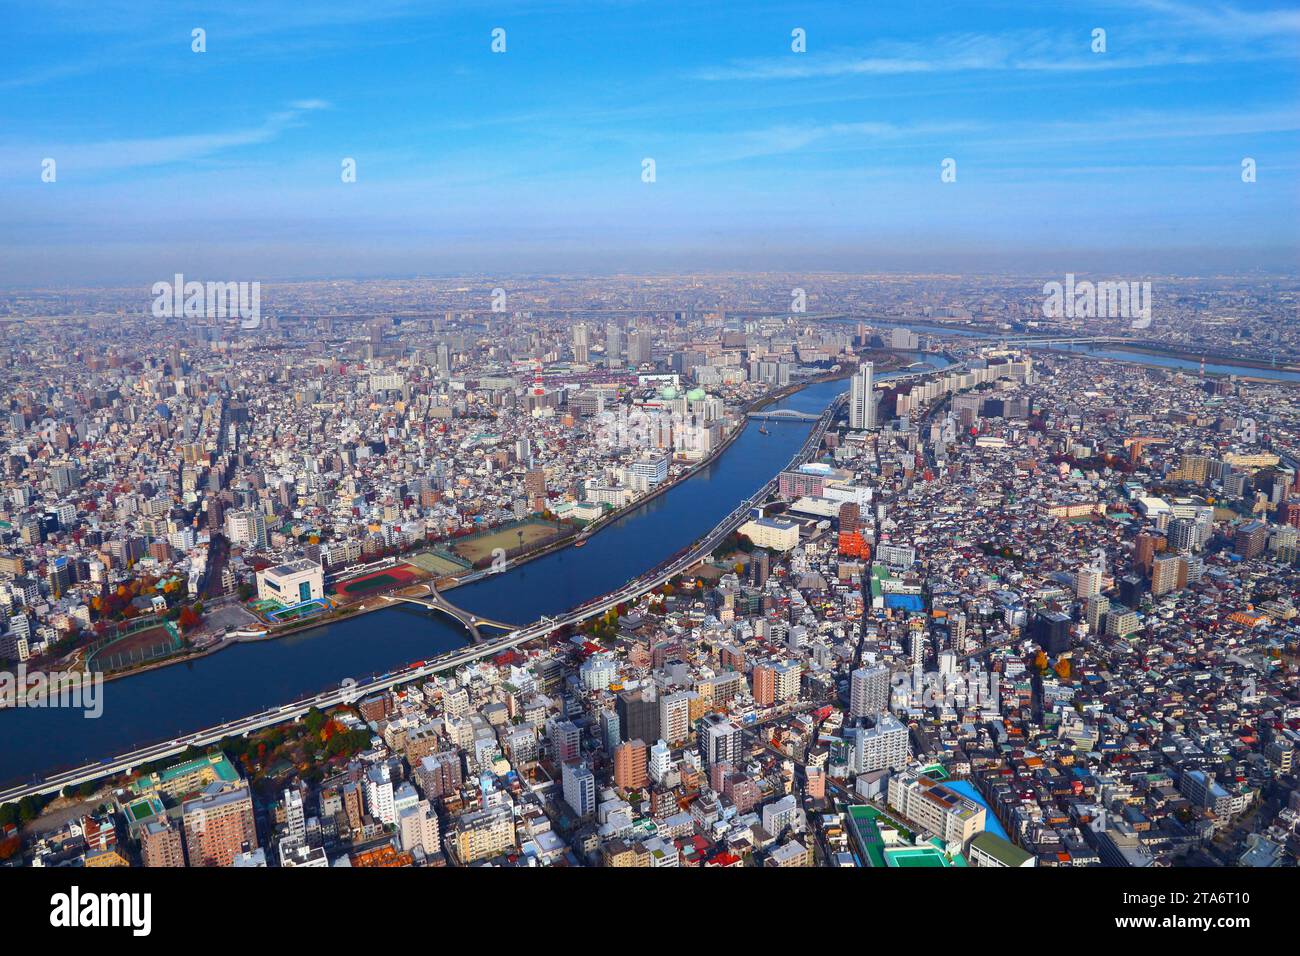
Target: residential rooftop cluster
1038 609
150 474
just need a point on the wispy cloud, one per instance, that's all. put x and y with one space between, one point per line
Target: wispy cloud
1225 20
1028 51
119 154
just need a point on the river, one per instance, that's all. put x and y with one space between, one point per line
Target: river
178 699
181 698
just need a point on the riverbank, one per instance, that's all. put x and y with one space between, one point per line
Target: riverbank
211 691
1220 368
377 601
1217 357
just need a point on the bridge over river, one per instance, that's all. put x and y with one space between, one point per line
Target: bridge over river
437 602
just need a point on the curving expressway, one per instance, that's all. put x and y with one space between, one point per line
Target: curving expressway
350 692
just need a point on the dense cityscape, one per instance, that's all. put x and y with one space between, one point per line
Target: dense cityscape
579 436
1009 600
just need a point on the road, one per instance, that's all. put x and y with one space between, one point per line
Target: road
351 692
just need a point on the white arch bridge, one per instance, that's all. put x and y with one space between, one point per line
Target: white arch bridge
785 415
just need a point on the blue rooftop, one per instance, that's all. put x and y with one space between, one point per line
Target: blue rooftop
967 789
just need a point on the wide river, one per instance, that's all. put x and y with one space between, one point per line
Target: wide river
181 698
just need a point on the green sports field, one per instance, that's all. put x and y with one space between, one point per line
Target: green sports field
481 547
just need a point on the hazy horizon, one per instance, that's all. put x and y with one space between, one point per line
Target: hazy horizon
226 164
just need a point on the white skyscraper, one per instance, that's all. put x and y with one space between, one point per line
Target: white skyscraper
379 794
579 788
862 398
613 349
660 762
581 344
294 821
881 746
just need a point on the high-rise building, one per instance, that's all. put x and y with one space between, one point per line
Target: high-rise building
610 731
219 826
1087 581
295 821
868 691
1251 539
638 347
581 344
675 717
780 814
613 349
719 740
1095 611
883 746
247 527
484 833
630 771
638 714
579 789
379 794
764 680
160 844
566 740
1168 573
417 826
660 762
1181 534
862 398
1144 551
535 485
851 541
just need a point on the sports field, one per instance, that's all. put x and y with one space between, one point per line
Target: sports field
915 856
143 645
297 612
506 538
399 574
438 565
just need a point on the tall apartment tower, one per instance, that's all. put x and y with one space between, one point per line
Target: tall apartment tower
579 788
160 844
219 826
1168 573
868 691
862 398
1087 582
630 765
294 817
719 740
638 347
581 344
674 717
613 350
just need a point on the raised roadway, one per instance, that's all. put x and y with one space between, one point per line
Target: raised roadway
351 691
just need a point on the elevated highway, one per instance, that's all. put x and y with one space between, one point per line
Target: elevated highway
350 691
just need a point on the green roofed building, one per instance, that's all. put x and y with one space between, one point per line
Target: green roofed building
989 849
189 776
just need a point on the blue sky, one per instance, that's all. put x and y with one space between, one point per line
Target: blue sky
227 163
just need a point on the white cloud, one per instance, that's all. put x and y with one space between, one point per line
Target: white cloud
117 154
